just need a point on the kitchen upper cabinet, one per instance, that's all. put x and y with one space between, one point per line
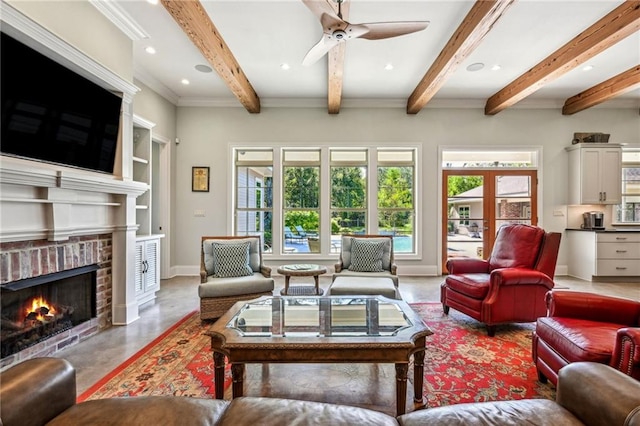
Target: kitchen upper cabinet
595 173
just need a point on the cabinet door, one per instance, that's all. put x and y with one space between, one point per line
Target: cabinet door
139 259
590 186
152 274
611 175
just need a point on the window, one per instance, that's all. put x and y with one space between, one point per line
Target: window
348 193
396 205
254 195
464 213
301 197
310 197
629 210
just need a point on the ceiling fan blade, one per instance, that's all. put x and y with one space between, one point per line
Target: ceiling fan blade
320 7
380 30
319 50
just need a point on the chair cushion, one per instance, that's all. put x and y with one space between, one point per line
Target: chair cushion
516 246
231 260
346 254
235 286
472 285
349 286
366 256
254 252
578 339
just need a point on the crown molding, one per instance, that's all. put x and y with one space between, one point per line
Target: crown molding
154 84
121 19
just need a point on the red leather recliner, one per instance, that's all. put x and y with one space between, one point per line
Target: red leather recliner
511 285
587 327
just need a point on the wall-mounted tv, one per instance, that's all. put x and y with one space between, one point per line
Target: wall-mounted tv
53 114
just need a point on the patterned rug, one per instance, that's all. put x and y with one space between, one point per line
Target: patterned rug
462 364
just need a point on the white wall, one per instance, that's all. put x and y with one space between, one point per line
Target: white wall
207 133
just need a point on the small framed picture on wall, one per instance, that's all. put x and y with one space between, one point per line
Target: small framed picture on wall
200 179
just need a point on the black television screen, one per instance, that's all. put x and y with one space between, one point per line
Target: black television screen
53 114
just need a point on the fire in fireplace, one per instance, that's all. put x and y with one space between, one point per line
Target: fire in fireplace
37 308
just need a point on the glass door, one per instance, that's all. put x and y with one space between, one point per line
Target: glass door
478 202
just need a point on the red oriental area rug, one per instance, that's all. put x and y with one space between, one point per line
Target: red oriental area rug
462 364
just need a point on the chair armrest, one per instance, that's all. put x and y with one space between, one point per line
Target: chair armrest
35 391
265 271
597 394
203 276
467 266
393 268
594 307
519 276
626 353
338 267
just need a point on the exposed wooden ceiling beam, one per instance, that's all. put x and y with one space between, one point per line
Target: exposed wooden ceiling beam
474 27
195 22
615 86
335 65
615 26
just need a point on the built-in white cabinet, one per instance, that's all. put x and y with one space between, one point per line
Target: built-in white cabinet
595 173
142 171
147 262
603 254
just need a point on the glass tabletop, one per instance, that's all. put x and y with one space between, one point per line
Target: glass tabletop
320 316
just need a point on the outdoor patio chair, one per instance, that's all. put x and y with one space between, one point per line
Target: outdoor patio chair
303 233
289 235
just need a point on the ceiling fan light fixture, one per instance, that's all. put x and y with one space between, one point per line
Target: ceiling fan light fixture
475 67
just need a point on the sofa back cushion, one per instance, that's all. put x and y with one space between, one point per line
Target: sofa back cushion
516 246
346 252
254 252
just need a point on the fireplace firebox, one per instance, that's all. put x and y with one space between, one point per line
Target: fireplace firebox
35 309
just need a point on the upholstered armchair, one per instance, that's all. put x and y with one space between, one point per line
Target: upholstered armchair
366 266
231 270
509 286
587 327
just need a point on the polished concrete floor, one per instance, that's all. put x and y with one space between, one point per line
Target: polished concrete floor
98 355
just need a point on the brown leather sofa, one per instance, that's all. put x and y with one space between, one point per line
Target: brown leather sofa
590 327
43 391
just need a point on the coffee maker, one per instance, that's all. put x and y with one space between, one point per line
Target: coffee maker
593 220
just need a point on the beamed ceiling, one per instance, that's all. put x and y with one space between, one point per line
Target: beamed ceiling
535 54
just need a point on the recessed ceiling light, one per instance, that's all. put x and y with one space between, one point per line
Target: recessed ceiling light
152 1
185 81
203 68
496 67
475 67
285 66
587 68
388 67
150 50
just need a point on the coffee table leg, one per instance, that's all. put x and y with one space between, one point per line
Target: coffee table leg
418 375
218 374
237 373
317 280
401 387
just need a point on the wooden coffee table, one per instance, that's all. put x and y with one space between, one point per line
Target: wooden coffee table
312 329
301 270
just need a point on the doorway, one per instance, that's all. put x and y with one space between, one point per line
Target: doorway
477 202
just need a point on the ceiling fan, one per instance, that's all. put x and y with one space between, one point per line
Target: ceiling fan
337 30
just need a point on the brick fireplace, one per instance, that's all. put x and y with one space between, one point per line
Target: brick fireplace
25 260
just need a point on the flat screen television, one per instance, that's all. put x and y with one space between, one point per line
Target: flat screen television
53 114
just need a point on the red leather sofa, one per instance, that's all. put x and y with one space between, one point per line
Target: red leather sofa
587 327
511 284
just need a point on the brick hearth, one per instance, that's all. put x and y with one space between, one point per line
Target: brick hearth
29 259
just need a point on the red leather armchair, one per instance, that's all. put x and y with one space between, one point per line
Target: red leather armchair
587 327
511 285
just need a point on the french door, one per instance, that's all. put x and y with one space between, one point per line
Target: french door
478 202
